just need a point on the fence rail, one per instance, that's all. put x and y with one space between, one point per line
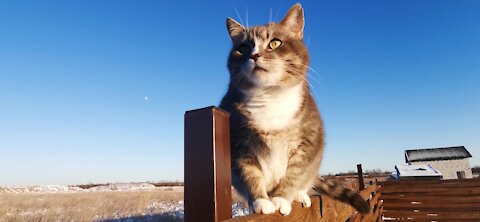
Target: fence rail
432 200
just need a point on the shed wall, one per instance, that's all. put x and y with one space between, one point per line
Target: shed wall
449 168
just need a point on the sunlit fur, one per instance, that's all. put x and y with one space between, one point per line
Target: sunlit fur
277 136
281 67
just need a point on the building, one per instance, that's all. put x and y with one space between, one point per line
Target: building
451 162
415 172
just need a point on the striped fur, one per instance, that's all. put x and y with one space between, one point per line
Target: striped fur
277 136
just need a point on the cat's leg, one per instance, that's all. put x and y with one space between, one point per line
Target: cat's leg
254 182
302 193
302 197
296 182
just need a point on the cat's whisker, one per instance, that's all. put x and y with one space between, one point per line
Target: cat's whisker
302 78
238 15
306 86
311 69
270 16
301 73
246 17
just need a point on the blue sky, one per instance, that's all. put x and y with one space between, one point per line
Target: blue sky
390 75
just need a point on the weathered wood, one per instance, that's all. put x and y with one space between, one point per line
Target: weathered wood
432 215
465 192
448 200
401 198
207 165
375 200
366 193
434 206
418 182
373 195
361 183
299 213
415 189
431 185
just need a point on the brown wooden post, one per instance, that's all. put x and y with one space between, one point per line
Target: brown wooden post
207 171
361 184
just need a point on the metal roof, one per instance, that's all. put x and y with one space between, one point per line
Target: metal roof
415 171
445 153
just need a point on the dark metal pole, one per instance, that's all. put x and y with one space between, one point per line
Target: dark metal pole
207 170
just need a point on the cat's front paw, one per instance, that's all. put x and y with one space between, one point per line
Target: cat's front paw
304 199
264 206
283 205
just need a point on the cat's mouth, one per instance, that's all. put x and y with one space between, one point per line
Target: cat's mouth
258 68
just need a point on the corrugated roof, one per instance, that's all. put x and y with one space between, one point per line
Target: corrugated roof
445 153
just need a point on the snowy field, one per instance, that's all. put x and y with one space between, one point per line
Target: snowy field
118 187
109 203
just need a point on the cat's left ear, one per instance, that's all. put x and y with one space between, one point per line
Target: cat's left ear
294 21
234 28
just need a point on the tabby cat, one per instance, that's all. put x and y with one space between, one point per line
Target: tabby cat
277 137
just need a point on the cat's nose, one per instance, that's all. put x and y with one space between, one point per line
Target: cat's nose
255 56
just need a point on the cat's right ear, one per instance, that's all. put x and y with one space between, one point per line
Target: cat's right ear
234 28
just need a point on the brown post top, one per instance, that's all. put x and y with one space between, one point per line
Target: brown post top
361 183
207 165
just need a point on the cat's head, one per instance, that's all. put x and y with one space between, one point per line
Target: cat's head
272 55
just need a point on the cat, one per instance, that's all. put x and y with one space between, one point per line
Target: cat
277 136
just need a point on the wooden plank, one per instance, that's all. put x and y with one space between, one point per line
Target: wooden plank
462 181
207 165
465 192
396 198
380 214
366 193
367 218
299 213
357 217
414 189
342 211
441 207
372 216
375 200
376 213
222 164
430 220
432 185
353 217
432 215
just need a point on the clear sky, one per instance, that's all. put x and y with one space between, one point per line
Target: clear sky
95 91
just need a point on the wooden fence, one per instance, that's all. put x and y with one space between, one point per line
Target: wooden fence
431 200
208 181
373 194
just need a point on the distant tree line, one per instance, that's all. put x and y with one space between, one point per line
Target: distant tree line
376 171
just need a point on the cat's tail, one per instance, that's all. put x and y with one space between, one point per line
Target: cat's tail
341 193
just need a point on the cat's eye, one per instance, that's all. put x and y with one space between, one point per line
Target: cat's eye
244 49
275 43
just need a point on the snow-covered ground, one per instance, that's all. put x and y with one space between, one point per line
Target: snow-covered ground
172 208
120 187
177 208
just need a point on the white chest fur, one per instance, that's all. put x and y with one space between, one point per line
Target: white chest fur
274 110
274 165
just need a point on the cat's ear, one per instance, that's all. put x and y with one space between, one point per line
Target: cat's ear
234 28
294 21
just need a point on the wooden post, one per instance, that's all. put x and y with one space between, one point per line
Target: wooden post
361 184
207 167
